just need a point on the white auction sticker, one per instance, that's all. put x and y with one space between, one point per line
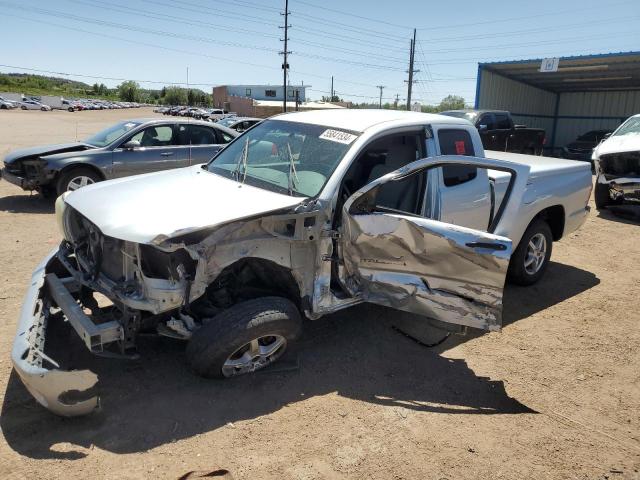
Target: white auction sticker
338 136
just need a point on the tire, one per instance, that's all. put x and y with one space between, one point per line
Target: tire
70 109
3 107
43 109
225 335
62 185
23 107
519 272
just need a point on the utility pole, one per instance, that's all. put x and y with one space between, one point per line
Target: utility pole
411 70
331 97
381 87
285 52
395 104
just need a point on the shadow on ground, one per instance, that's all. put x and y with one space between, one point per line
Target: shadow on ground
629 214
26 203
355 353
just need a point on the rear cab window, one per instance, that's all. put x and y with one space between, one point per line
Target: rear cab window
456 141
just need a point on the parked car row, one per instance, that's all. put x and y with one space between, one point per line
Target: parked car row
211 114
218 115
47 103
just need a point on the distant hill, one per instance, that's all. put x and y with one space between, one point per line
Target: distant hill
29 84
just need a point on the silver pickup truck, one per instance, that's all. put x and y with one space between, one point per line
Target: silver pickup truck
301 216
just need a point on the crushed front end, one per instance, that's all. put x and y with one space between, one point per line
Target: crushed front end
107 290
620 174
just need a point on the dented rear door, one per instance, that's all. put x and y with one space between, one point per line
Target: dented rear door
427 267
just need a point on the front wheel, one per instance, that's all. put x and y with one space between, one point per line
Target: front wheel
76 178
530 259
244 338
23 107
43 109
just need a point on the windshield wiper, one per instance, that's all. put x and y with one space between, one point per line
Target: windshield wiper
292 169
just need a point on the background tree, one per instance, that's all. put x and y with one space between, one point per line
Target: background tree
451 102
174 96
129 91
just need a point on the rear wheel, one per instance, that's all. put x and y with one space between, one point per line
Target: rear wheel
530 259
23 107
244 338
76 178
43 109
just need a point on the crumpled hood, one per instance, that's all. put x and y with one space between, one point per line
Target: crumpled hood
150 208
619 144
45 150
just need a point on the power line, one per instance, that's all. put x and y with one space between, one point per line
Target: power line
170 49
526 17
164 33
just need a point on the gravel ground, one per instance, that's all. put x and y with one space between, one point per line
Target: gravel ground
555 395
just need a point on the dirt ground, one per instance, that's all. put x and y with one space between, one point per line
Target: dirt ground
555 395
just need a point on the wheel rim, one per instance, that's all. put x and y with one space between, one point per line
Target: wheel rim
254 355
79 182
536 254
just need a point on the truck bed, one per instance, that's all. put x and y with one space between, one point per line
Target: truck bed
540 166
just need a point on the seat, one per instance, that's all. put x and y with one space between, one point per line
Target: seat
150 138
401 195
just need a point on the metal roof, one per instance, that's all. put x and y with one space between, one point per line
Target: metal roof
585 73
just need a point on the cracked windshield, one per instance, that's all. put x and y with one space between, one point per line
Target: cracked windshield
286 157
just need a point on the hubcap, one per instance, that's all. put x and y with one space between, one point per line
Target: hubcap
536 254
78 182
256 354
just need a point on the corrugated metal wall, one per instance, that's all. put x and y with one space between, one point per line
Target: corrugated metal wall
577 112
529 105
500 93
596 111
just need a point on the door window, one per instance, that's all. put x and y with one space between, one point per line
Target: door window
502 121
489 120
383 156
155 136
201 135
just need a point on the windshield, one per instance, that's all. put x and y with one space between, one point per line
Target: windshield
227 121
286 157
107 136
629 127
471 116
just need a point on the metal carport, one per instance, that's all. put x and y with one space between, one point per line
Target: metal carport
589 92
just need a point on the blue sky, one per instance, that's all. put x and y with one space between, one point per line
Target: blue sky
361 43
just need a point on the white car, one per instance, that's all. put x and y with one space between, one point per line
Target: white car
33 105
303 215
617 164
7 104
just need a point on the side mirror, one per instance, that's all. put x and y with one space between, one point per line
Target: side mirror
131 145
482 127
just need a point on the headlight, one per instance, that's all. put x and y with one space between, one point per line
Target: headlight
61 208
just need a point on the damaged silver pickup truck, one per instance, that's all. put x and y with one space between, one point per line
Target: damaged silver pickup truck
617 164
301 216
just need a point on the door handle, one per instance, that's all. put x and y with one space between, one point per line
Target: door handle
166 154
486 245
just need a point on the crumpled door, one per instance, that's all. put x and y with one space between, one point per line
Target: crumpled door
450 273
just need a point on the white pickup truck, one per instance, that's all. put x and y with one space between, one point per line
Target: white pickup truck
303 215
